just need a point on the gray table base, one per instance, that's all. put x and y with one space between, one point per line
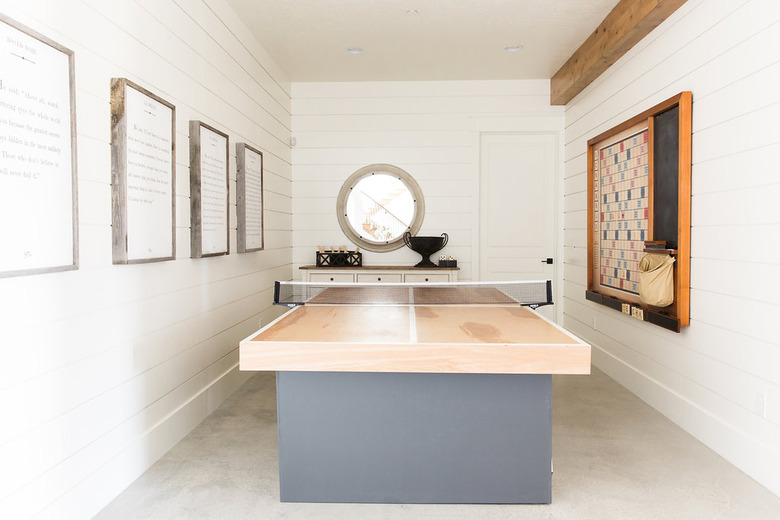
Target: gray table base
414 438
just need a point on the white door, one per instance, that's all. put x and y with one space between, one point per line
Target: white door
517 208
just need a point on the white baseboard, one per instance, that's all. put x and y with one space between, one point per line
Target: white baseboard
88 497
758 461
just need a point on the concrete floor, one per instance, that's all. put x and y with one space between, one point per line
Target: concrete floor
615 458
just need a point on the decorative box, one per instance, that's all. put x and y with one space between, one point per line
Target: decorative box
339 259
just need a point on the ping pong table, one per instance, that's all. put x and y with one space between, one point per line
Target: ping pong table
403 393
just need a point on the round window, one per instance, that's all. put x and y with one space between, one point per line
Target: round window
377 205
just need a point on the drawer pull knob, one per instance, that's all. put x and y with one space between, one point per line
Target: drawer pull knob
331 278
378 278
426 279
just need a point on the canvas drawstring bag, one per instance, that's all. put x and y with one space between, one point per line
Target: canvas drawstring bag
656 280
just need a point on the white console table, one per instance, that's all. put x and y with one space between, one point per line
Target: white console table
379 274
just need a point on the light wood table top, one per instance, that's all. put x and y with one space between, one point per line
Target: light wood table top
436 338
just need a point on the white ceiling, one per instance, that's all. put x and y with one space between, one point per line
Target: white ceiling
446 40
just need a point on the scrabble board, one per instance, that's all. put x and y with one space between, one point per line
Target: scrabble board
620 216
639 202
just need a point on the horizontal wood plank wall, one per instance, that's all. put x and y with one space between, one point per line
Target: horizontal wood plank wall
430 129
719 378
105 368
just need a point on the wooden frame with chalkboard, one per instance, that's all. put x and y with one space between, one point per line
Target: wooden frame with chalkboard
209 191
639 202
143 175
249 198
38 177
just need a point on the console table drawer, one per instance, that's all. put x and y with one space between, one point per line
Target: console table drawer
332 277
422 278
379 277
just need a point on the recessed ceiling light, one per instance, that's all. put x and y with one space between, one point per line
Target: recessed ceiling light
355 50
412 12
513 48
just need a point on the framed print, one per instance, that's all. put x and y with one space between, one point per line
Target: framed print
143 175
38 180
249 198
209 203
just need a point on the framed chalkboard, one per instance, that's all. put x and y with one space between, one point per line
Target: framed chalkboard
143 175
38 181
666 185
249 198
639 187
209 185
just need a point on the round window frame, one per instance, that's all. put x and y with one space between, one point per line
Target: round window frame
367 171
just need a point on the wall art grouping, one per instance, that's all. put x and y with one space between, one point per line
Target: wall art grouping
38 168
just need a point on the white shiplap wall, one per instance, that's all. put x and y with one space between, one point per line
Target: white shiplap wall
720 378
430 129
106 367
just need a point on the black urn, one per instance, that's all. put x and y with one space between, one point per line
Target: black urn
425 247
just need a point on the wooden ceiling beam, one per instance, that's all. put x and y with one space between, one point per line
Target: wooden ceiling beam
624 26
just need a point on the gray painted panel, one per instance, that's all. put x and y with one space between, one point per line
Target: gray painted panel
414 438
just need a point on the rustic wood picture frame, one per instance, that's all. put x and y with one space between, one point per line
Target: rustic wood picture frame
18 259
147 177
205 236
249 193
668 206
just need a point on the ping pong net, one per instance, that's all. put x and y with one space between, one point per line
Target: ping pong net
529 293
